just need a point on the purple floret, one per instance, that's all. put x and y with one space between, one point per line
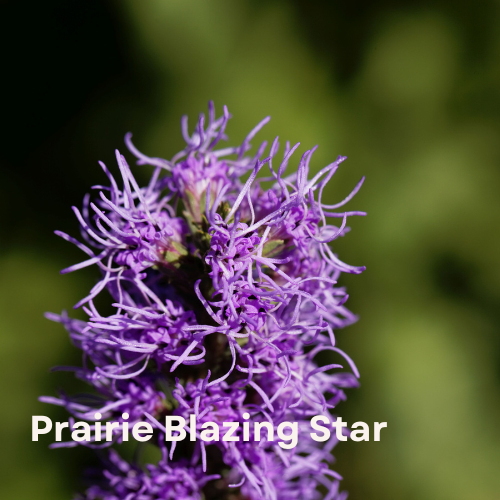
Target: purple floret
223 287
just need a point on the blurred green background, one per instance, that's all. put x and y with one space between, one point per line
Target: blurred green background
408 90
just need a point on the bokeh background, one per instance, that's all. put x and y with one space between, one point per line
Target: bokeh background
408 90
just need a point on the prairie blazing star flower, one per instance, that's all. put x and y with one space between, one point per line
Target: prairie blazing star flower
223 292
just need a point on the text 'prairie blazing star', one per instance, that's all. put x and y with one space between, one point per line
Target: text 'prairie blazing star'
223 292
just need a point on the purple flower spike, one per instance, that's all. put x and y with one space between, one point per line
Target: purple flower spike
223 292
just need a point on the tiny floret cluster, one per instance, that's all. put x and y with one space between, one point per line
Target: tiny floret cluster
217 298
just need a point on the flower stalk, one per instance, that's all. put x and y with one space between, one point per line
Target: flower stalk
223 293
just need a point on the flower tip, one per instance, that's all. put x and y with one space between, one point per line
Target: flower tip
51 316
275 146
356 270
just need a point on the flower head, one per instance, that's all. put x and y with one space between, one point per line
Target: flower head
224 291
